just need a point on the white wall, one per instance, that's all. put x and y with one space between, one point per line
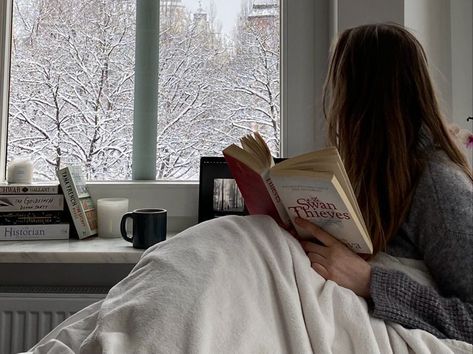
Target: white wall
351 13
461 12
429 20
444 27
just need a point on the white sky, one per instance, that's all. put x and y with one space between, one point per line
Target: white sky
227 11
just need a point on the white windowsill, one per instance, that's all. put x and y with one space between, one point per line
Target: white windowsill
91 250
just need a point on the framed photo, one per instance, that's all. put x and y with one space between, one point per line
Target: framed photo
218 192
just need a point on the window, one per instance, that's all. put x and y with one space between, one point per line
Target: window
302 70
72 80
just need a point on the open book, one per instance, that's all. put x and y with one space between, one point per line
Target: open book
313 186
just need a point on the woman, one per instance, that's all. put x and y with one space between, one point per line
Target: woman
412 182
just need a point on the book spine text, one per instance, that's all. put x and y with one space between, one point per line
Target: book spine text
273 192
34 232
28 189
31 202
32 217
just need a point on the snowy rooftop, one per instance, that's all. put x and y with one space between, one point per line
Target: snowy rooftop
263 13
269 3
264 8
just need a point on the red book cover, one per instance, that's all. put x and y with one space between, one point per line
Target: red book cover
253 189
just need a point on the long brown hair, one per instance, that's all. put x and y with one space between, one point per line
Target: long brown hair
382 116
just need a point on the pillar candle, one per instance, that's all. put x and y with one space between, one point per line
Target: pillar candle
109 215
20 171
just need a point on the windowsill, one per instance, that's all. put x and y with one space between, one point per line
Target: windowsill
91 250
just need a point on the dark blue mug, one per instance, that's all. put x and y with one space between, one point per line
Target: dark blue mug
149 227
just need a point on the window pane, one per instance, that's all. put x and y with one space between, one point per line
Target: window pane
71 91
219 79
71 94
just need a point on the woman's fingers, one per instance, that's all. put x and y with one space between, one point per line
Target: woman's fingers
319 268
317 232
315 248
317 258
319 264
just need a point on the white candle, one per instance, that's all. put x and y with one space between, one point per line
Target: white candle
20 171
109 216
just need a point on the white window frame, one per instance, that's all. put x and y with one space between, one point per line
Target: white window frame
304 46
5 44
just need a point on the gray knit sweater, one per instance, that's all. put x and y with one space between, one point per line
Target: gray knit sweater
439 231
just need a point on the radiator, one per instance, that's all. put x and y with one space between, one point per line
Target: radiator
28 314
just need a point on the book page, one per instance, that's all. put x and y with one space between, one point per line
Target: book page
245 157
256 146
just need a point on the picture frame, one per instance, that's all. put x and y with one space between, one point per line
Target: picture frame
218 192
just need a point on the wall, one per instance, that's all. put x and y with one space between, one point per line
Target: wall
352 13
429 20
444 27
461 12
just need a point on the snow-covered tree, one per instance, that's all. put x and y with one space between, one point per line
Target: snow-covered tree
255 72
71 96
191 55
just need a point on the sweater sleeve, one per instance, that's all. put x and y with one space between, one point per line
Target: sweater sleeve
400 299
440 223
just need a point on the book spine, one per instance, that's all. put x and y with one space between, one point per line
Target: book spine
28 189
47 202
34 232
74 204
32 218
273 192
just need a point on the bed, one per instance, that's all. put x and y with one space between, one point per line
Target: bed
236 285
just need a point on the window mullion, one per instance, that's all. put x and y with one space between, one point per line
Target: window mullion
146 90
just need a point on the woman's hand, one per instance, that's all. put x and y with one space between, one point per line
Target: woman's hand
335 261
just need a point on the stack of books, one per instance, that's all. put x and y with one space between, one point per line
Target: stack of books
32 212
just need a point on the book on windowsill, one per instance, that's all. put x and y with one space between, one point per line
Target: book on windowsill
79 202
31 202
33 217
29 188
313 186
34 232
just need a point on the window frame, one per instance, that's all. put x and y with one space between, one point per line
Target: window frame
304 44
5 45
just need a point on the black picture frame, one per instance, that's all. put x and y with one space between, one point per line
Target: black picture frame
214 168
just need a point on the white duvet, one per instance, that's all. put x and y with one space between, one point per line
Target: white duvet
235 285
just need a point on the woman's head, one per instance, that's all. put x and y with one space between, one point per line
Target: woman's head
383 114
